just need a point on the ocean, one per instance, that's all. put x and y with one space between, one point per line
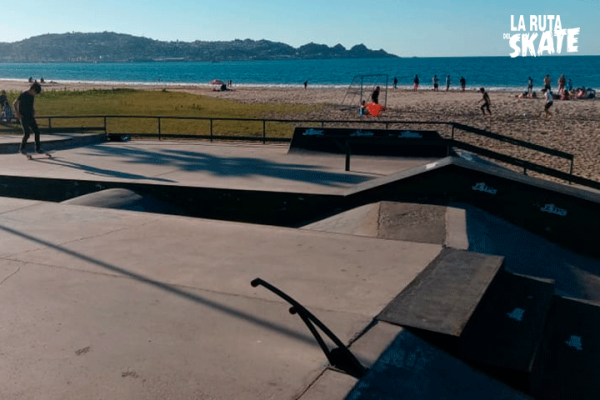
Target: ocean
493 73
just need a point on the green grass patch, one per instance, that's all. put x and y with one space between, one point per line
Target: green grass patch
129 102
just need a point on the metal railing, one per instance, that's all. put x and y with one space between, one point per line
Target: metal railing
51 127
101 123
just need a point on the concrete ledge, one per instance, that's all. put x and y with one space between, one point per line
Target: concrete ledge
9 144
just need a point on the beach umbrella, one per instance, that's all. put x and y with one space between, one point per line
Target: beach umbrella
216 82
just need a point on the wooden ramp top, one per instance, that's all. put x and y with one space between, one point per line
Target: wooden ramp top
444 296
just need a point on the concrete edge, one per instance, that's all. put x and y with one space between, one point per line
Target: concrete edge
456 228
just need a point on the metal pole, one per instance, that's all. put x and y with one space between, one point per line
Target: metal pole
50 124
159 128
571 171
386 88
264 131
347 156
105 128
211 130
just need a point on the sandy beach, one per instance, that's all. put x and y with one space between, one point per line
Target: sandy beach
574 127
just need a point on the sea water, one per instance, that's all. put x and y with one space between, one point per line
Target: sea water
493 73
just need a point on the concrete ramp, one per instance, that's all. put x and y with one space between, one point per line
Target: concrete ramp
107 303
421 223
124 199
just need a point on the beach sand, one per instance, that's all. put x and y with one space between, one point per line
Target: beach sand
574 128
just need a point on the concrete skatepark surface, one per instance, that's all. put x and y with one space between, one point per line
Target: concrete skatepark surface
105 303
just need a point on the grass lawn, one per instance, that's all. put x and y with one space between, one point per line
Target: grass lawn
128 102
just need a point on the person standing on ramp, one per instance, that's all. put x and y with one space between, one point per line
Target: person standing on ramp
25 112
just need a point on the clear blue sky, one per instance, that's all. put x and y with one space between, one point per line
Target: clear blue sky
433 28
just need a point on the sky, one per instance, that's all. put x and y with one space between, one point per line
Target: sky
422 28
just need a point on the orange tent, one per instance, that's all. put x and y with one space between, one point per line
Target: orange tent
375 109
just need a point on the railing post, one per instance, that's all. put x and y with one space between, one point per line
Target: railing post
264 131
571 171
348 153
211 130
105 126
159 128
50 124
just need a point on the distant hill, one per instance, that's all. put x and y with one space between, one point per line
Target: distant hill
116 47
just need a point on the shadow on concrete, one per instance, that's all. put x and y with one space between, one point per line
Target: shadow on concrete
528 254
98 171
412 368
171 289
193 161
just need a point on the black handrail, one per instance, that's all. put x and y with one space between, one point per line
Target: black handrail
516 142
340 357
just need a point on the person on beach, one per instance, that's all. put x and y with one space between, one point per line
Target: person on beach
375 95
530 85
5 110
549 102
305 84
436 83
416 83
547 82
562 83
447 82
463 83
569 85
363 108
25 112
486 101
395 83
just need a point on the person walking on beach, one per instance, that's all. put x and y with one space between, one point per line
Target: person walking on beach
305 84
375 95
530 85
436 83
416 82
569 85
562 83
25 111
549 101
547 82
447 82
395 83
486 101
463 83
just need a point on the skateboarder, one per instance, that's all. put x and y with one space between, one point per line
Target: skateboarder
25 112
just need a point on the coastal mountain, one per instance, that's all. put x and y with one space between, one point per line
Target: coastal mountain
116 47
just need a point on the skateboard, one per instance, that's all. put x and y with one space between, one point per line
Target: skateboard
31 156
